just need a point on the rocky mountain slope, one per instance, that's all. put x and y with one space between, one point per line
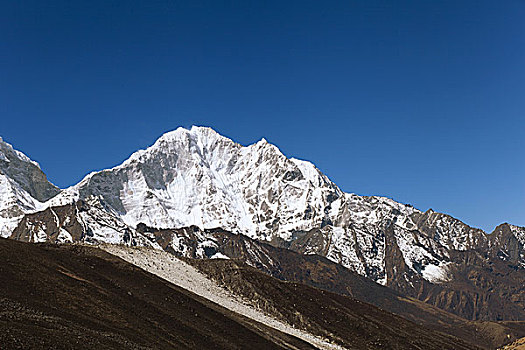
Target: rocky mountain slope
342 321
23 187
178 272
87 221
201 246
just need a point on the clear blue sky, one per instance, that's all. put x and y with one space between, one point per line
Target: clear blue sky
421 101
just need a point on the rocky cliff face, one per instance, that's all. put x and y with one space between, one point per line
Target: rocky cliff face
86 221
23 187
477 286
26 173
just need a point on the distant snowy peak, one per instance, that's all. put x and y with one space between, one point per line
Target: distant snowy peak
23 186
26 172
199 141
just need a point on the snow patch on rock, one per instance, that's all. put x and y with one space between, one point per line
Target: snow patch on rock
435 273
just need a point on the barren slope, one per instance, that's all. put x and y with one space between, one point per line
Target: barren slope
63 297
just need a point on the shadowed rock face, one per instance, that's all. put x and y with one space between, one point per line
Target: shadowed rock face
26 173
483 281
479 276
45 227
507 243
480 287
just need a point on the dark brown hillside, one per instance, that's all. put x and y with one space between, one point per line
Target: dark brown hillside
350 323
74 297
70 296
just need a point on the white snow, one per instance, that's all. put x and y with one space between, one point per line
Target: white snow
435 274
3 157
207 180
219 255
64 236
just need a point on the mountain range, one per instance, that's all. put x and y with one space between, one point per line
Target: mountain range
192 187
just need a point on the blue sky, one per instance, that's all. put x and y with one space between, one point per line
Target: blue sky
420 101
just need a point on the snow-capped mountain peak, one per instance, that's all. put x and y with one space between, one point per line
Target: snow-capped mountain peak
23 186
198 177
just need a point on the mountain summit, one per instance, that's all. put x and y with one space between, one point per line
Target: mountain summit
198 177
